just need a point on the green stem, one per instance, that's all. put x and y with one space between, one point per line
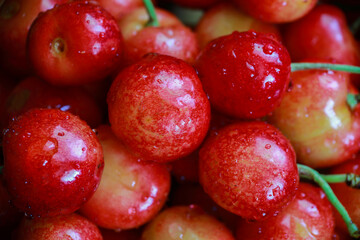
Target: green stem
153 21
334 178
306 172
325 66
1 169
352 100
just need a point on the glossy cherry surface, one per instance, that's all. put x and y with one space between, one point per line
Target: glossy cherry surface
224 18
74 43
323 33
53 162
16 17
316 118
131 192
277 11
249 169
187 223
245 74
72 226
308 216
171 37
158 108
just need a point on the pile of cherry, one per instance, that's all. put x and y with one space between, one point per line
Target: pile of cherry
121 122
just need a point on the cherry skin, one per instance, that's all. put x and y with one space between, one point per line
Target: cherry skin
316 118
349 197
171 37
245 74
119 8
323 33
72 226
35 93
16 17
224 18
308 216
276 11
187 223
74 43
53 162
131 192
249 169
158 109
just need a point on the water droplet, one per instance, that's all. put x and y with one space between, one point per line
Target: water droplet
268 49
267 146
61 134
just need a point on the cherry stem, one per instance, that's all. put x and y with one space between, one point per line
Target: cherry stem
308 173
1 169
153 21
351 179
325 66
352 100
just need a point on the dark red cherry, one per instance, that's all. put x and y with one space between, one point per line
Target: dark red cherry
53 162
245 74
249 169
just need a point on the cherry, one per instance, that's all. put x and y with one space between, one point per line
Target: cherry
277 11
245 74
224 18
16 17
324 34
74 43
316 118
185 222
53 162
168 36
249 169
308 216
71 226
131 192
158 108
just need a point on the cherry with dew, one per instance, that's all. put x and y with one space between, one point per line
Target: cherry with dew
245 74
53 162
158 109
249 169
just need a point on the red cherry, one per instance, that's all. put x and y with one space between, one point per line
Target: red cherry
171 37
315 116
245 74
16 17
53 162
249 169
185 222
277 11
158 108
70 226
308 216
74 43
131 192
224 18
